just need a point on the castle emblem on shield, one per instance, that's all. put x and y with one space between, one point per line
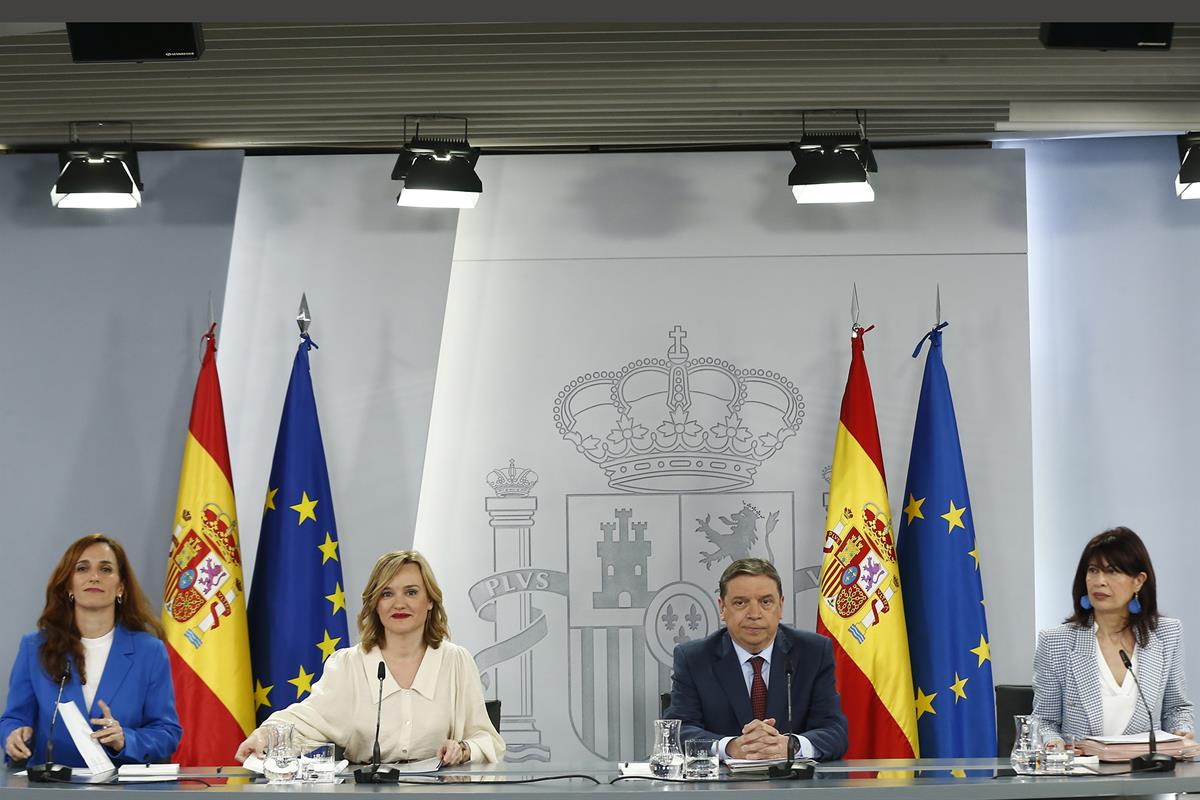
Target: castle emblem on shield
679 441
200 584
857 582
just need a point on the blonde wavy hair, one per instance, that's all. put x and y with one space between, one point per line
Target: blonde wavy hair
370 629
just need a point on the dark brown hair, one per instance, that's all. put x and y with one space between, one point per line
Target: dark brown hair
750 566
370 629
1124 551
57 622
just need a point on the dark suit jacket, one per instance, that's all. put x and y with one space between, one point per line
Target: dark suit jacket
136 685
708 691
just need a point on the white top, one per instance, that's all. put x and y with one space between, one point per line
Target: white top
95 656
805 748
1118 699
445 702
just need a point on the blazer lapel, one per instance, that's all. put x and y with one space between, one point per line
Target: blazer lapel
732 680
120 659
1149 673
778 684
1086 670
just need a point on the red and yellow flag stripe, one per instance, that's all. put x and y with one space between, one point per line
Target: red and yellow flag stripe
861 608
204 611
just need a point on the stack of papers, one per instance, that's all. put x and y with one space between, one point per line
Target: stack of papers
744 765
147 773
635 769
1125 747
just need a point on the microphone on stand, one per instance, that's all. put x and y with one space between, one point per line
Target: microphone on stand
376 773
790 770
1153 761
45 773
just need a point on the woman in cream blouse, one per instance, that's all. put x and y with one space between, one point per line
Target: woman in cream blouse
432 697
1081 687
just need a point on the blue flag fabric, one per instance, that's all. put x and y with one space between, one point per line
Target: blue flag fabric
297 604
943 592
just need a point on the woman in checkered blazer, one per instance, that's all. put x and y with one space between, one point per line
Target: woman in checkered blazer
1080 685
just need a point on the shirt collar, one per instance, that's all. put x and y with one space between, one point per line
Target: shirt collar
745 655
424 683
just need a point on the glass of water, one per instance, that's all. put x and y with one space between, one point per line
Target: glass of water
282 759
1059 755
317 765
700 759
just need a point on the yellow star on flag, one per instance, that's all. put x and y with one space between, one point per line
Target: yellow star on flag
269 505
329 549
305 508
338 598
954 517
327 646
984 651
262 695
302 682
959 688
925 703
975 555
958 773
913 509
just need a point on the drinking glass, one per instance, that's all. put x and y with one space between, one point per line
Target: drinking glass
1060 755
282 758
1027 745
316 764
666 760
700 759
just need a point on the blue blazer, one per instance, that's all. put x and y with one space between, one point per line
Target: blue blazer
709 695
1066 681
136 685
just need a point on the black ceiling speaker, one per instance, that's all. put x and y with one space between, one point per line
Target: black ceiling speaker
95 42
1108 35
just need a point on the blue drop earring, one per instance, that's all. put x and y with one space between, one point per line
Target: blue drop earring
1135 605
1086 603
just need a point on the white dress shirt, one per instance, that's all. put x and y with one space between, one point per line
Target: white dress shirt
1118 699
95 656
804 747
444 702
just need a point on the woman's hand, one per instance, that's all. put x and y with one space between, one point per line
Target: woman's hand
1191 748
15 746
111 734
253 746
454 752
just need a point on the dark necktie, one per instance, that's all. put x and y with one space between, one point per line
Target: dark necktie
758 689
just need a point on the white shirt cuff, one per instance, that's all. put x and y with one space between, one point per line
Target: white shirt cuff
722 744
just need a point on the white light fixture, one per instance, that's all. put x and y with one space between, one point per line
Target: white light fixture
437 171
1187 181
97 180
833 167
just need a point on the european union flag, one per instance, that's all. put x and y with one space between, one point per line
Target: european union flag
297 604
943 592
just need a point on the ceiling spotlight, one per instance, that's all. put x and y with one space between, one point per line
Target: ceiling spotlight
97 179
833 167
437 171
1187 182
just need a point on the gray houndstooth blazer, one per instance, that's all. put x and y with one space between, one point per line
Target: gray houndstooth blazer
1066 681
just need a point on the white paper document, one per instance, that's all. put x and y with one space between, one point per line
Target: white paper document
1135 738
753 764
635 769
417 767
94 754
147 773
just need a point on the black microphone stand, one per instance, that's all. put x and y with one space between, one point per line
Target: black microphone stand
1153 761
375 773
51 772
790 770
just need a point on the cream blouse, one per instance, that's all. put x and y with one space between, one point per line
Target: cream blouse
445 702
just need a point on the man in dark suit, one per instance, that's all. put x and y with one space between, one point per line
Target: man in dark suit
732 685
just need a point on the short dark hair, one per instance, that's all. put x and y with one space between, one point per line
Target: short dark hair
750 566
1124 551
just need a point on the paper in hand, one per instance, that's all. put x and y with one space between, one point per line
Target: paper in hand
92 751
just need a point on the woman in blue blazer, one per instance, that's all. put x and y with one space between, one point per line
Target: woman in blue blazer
1080 684
98 639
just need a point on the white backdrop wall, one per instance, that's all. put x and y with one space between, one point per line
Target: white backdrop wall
572 271
376 280
103 314
1114 344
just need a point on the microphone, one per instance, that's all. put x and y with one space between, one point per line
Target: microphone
1153 761
45 773
790 770
376 773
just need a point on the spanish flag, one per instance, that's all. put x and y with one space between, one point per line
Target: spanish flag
204 609
860 607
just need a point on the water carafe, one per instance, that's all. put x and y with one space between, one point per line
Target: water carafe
1027 745
666 760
